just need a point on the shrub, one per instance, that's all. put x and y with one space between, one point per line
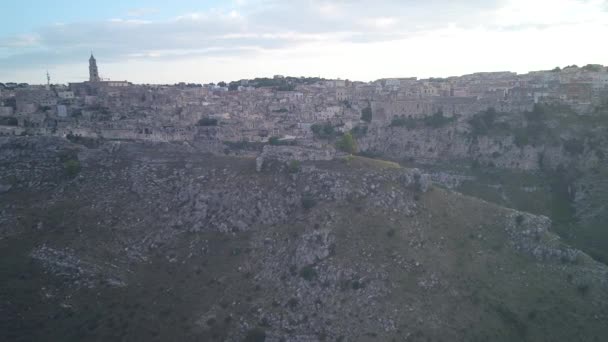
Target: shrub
521 138
538 113
308 202
437 120
308 273
274 141
482 122
400 121
71 167
286 87
255 335
583 289
574 146
347 144
207 122
323 131
8 121
293 303
519 220
593 67
294 166
356 285
359 131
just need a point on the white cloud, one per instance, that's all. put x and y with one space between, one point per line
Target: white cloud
20 41
381 23
352 39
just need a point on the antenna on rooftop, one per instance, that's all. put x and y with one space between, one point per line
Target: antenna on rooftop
48 80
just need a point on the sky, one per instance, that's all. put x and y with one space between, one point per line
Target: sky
164 41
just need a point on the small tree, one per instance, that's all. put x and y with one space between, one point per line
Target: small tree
71 167
347 144
294 166
232 86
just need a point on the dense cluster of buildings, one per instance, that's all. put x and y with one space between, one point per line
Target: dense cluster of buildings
246 112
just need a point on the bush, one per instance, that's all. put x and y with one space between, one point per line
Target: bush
308 273
521 138
347 144
359 131
294 166
308 202
583 289
71 167
8 121
255 335
323 131
482 122
207 122
593 67
574 146
244 145
538 113
400 121
274 141
437 120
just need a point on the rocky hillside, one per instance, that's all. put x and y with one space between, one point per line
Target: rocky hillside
548 161
127 241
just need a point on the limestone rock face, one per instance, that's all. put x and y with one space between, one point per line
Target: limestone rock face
435 146
285 154
313 247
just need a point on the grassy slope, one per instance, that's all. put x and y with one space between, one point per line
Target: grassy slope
484 290
453 275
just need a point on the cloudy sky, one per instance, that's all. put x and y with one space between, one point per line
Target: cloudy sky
160 41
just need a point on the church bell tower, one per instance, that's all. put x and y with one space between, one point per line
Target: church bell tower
93 72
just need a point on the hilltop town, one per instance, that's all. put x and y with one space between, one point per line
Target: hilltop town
281 109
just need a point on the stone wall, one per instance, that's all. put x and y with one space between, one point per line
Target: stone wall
285 154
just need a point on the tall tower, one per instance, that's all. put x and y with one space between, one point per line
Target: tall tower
93 72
